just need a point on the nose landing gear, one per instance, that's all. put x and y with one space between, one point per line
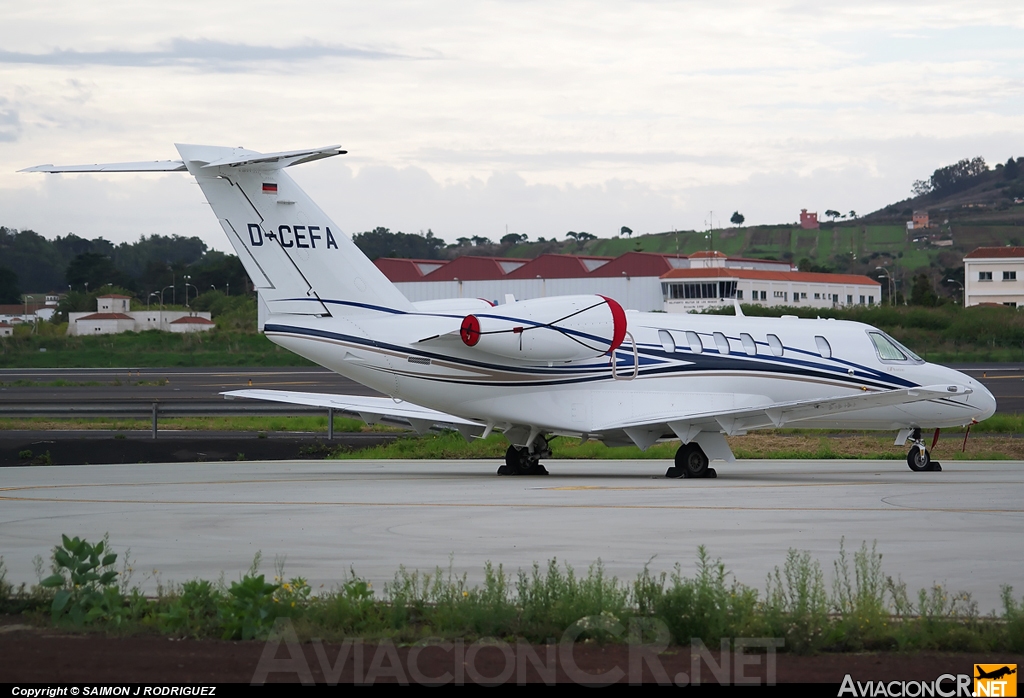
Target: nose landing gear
691 461
919 459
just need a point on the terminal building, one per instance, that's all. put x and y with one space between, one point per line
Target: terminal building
638 280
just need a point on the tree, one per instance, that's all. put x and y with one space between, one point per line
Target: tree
96 270
572 234
626 231
922 293
514 239
852 214
957 177
583 237
921 187
833 214
480 240
381 242
737 218
1011 170
10 292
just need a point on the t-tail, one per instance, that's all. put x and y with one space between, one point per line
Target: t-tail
299 260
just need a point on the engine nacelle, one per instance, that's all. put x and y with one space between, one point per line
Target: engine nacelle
563 328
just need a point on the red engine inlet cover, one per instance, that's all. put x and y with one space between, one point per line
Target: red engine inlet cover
470 331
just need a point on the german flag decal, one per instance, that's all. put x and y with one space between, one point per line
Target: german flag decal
269 187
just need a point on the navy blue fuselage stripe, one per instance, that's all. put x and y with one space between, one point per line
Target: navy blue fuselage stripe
699 363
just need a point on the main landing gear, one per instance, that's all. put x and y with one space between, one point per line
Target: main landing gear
918 459
520 460
691 461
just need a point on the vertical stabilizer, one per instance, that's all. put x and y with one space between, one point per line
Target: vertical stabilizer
298 259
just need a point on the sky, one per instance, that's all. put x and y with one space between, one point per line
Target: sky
531 117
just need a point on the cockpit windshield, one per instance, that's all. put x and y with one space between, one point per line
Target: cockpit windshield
888 349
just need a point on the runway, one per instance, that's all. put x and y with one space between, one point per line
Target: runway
960 527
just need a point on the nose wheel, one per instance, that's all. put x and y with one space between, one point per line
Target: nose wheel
691 461
520 460
918 458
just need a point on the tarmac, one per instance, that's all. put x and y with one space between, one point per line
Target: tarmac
323 519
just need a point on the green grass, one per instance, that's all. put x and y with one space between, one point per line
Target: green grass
145 350
865 609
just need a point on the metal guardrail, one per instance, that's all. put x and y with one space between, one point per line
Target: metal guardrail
155 410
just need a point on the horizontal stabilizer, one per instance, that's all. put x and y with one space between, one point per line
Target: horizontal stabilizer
369 409
158 166
288 157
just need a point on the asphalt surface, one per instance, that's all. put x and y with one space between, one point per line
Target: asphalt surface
148 385
1006 381
959 527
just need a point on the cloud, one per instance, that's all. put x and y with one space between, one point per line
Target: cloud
10 122
216 55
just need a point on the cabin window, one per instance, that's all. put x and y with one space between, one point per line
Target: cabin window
775 344
722 342
693 339
824 348
984 276
1009 276
667 342
749 345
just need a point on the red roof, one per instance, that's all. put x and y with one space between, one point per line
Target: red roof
192 320
471 268
706 253
636 264
115 295
558 266
765 275
106 316
20 308
995 252
407 269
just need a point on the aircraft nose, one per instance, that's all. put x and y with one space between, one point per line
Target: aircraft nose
982 399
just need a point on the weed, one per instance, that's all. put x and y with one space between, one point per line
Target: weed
85 581
25 454
796 603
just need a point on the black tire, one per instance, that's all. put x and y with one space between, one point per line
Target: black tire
918 459
519 462
692 461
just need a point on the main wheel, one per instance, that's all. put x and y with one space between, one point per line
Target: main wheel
691 461
918 459
518 461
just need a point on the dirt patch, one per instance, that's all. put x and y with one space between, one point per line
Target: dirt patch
45 655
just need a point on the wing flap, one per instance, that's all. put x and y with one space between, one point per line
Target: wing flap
371 410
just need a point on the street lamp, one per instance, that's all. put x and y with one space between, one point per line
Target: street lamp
954 281
888 276
162 296
151 294
187 284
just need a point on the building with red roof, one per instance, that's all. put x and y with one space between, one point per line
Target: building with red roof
637 280
472 268
114 315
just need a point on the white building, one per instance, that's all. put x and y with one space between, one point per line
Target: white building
114 315
694 290
994 275
6 329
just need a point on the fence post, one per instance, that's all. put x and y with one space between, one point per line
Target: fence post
154 419
330 423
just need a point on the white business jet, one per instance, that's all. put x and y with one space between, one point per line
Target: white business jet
577 366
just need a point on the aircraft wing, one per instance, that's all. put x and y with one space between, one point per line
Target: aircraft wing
372 410
649 429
